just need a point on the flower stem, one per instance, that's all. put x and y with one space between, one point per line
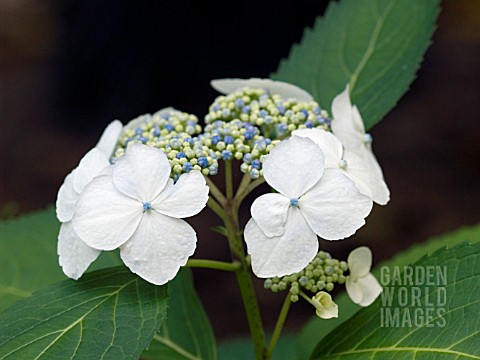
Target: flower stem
215 191
252 185
302 294
228 179
213 264
244 279
279 325
217 209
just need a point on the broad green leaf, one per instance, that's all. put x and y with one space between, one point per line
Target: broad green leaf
186 333
108 314
317 328
375 46
28 256
241 349
418 317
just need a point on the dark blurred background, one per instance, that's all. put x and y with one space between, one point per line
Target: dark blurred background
67 68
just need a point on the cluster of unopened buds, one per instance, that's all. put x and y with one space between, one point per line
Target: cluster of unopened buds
134 188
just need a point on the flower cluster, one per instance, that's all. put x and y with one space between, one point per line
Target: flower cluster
132 205
323 272
256 102
176 134
310 201
240 141
320 274
134 188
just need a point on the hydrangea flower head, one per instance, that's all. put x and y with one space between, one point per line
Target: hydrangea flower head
74 255
177 134
349 129
275 107
282 235
362 287
136 207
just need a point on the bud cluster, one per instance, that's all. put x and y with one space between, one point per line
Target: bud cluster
276 117
173 132
238 140
320 275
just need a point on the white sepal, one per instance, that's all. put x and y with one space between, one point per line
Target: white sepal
74 256
284 254
294 166
159 247
285 90
187 197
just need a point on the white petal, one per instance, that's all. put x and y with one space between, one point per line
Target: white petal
359 171
368 179
270 213
326 308
104 217
66 199
285 90
330 312
109 138
90 166
334 208
370 289
285 254
353 290
359 262
186 198
74 255
330 145
142 172
380 192
294 166
159 247
345 123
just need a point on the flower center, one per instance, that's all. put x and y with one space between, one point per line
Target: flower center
147 206
343 164
294 202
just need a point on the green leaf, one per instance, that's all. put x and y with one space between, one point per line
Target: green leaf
187 333
108 314
376 46
241 349
317 328
28 256
433 324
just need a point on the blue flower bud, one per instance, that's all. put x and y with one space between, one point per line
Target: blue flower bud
256 164
187 167
203 161
216 139
226 155
247 158
228 139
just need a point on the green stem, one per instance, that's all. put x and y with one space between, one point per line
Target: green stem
249 188
228 179
215 191
217 209
302 294
279 325
213 264
246 179
244 279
